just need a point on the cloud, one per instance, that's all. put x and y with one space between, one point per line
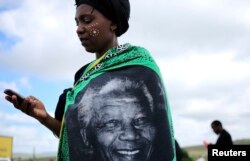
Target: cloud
26 134
4 85
173 28
16 85
16 117
49 44
24 82
25 138
47 41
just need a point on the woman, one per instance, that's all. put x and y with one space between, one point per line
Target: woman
99 23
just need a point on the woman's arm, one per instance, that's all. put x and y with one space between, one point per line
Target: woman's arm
53 124
36 109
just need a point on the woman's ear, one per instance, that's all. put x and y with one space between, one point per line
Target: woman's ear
113 26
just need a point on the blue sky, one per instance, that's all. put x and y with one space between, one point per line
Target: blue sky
201 47
7 41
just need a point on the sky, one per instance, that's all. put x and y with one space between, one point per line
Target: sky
201 47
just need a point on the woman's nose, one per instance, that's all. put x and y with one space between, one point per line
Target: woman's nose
80 29
129 133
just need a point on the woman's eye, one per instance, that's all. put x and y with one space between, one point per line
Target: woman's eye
86 20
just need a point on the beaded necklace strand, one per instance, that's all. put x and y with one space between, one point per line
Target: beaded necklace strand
97 64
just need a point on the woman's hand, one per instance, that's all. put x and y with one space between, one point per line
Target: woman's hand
35 108
31 106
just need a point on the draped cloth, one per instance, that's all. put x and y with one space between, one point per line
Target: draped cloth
118 111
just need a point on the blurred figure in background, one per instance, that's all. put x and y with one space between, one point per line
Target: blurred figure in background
224 138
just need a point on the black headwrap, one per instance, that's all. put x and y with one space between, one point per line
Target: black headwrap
117 11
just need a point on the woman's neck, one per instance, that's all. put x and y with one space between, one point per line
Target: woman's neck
104 50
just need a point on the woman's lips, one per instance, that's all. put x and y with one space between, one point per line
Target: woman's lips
84 41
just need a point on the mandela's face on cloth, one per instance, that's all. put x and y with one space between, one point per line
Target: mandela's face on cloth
124 129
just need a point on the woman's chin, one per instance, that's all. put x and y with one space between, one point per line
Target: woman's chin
89 49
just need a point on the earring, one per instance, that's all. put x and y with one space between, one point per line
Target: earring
113 28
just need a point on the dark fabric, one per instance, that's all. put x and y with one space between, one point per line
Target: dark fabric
118 11
224 139
163 148
179 153
118 111
60 105
79 73
59 112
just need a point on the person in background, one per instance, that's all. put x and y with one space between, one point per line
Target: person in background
224 138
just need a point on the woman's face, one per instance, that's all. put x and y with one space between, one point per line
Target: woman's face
93 29
124 130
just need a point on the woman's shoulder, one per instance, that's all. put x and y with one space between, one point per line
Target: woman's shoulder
140 48
78 73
